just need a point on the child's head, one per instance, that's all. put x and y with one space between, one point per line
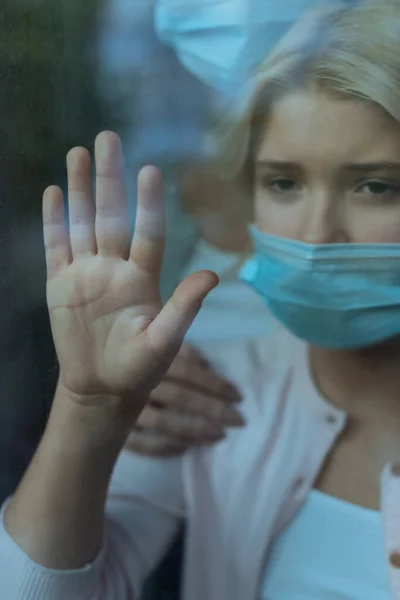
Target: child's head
320 133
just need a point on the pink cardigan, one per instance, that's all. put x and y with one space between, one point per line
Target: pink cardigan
235 497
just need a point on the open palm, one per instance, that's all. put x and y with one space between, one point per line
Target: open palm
111 333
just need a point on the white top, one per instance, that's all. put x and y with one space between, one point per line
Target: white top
332 550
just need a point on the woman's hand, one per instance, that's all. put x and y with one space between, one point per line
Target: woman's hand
113 338
192 405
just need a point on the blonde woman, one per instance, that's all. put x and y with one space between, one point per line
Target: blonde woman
303 502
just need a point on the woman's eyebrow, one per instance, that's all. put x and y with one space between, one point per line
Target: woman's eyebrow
283 165
370 167
278 165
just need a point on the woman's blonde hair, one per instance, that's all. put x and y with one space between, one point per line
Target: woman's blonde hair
349 51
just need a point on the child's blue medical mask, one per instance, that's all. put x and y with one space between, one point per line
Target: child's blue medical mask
330 295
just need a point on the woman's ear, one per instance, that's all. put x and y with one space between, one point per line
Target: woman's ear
222 208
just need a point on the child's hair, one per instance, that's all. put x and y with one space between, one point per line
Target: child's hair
352 51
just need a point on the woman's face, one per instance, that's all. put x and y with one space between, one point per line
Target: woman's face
328 171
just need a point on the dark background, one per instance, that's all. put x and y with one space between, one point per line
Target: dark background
49 102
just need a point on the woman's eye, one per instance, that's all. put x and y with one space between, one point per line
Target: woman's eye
380 188
281 185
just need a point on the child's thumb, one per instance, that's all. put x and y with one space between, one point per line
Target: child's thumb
167 331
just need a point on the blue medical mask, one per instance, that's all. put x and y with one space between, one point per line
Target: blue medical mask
222 41
330 295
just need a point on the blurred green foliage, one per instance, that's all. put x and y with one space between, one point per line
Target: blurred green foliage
48 96
48 103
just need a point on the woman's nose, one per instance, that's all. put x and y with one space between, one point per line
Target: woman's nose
325 223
